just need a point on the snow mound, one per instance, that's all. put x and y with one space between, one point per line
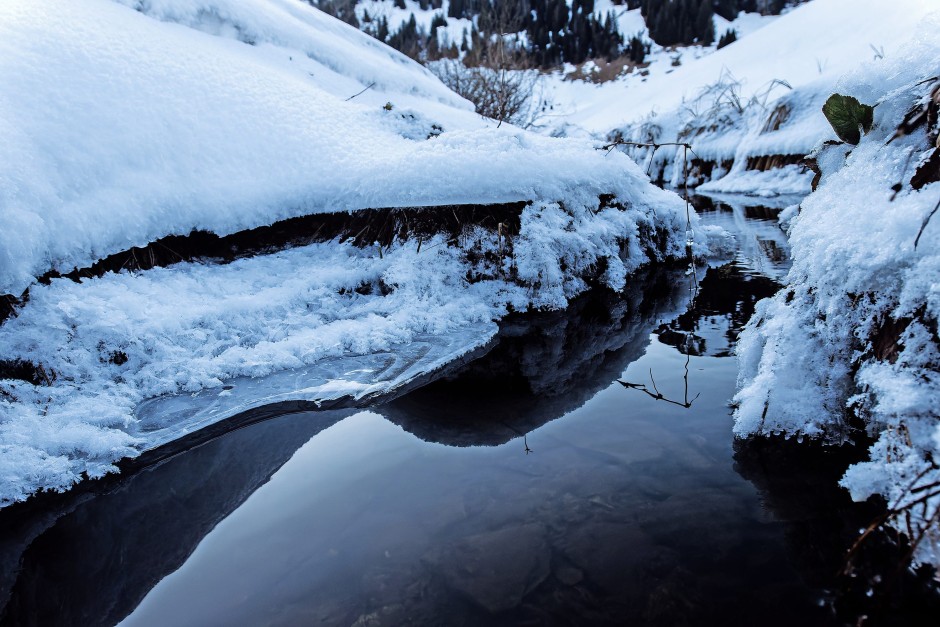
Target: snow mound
124 126
855 328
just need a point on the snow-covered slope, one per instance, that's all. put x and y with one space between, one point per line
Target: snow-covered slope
752 109
575 100
120 128
855 328
817 39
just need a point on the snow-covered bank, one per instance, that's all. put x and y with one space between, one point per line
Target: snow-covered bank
122 127
354 322
817 40
855 329
750 111
788 180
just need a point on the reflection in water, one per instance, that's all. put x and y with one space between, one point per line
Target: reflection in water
95 559
725 302
797 481
762 245
545 365
538 491
657 395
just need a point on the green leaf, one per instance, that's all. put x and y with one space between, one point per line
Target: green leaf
848 117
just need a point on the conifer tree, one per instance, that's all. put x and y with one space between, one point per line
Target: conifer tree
704 24
730 36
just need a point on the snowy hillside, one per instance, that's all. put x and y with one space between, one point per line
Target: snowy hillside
751 110
576 100
819 39
854 332
123 126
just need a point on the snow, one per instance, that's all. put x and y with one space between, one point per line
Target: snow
744 24
124 125
810 355
284 326
117 136
790 179
126 121
817 39
727 103
453 32
629 21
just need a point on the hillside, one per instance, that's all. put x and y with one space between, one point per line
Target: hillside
751 110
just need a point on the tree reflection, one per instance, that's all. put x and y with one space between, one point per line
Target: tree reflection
544 365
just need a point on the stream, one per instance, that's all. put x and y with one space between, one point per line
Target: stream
583 471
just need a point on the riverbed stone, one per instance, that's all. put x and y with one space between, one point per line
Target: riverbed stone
569 575
497 569
701 522
616 556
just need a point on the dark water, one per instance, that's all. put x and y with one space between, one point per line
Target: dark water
544 483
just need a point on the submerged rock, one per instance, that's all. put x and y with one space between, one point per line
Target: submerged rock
497 569
615 555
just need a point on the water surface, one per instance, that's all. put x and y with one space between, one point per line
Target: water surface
582 472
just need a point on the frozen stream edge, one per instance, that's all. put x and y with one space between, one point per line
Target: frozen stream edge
359 378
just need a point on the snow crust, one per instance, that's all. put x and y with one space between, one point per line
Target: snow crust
815 351
121 128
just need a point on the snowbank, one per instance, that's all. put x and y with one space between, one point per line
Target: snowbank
788 180
123 126
854 332
227 115
346 322
819 39
752 109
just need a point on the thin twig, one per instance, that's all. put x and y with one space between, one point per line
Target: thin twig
920 537
653 145
361 92
892 511
924 224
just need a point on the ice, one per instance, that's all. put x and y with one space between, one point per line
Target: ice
139 359
165 419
